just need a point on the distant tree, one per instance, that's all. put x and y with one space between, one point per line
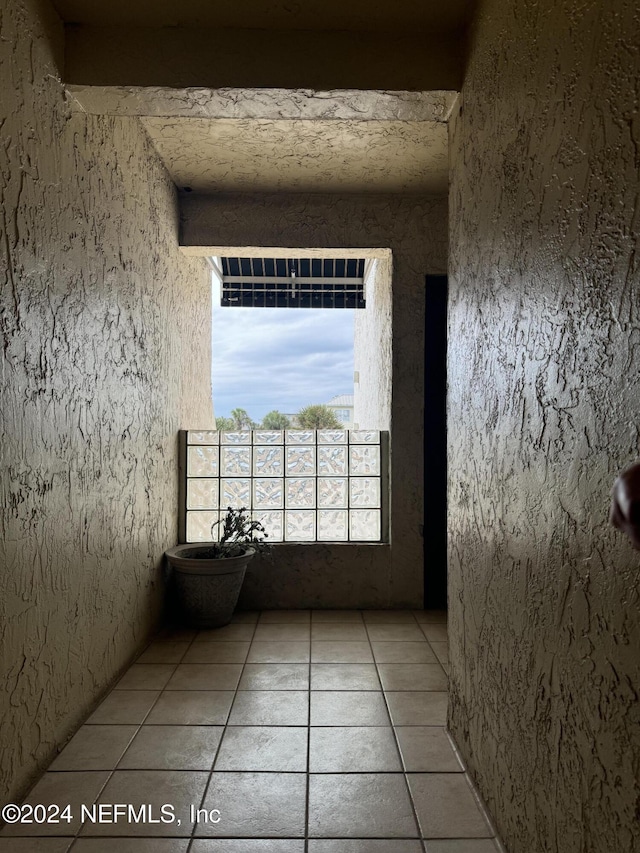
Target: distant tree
275 420
224 423
241 419
318 417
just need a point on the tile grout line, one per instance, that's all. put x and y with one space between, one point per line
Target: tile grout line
395 737
407 773
192 837
208 782
163 691
482 806
308 779
155 701
422 840
428 642
139 727
111 771
141 724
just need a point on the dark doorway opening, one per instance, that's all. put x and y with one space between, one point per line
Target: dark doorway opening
435 443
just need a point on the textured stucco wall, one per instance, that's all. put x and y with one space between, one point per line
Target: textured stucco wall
372 348
415 229
105 354
544 409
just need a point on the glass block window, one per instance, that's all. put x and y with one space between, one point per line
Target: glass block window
235 461
268 461
333 525
268 493
303 485
202 493
301 460
332 461
332 492
202 462
235 493
199 526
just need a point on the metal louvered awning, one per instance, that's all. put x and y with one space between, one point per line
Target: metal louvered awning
292 282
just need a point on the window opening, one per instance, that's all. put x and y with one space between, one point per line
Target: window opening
305 485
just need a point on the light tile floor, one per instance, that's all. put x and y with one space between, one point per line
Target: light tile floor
302 731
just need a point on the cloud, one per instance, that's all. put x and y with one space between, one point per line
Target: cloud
283 359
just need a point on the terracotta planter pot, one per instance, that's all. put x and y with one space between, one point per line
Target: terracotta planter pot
207 589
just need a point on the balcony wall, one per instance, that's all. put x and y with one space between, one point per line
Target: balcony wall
99 313
415 229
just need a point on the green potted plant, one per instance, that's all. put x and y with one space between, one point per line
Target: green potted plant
208 577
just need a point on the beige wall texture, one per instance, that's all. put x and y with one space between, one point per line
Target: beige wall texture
415 229
105 333
372 350
544 409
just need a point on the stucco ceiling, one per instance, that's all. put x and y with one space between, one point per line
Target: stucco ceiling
248 155
408 16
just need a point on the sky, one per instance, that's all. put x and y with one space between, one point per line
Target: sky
279 358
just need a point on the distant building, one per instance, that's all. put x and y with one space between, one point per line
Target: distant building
342 406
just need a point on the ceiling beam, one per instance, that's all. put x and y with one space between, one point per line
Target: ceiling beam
262 104
185 57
